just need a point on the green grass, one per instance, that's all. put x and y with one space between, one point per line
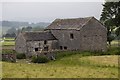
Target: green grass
115 43
8 47
72 66
8 43
1 39
9 39
110 51
69 64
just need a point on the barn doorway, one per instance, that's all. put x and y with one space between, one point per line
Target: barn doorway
46 48
61 47
36 49
65 47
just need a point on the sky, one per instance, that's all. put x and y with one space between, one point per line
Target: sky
48 11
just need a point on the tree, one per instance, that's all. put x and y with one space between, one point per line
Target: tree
29 28
11 30
110 17
9 35
117 31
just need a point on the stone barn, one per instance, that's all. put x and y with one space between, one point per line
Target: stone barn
79 34
33 43
84 34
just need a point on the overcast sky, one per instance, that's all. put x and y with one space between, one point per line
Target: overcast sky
48 11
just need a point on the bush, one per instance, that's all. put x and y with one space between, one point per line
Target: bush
21 56
39 59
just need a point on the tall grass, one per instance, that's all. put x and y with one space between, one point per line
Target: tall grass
110 51
73 66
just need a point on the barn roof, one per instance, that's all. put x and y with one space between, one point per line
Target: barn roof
75 23
38 36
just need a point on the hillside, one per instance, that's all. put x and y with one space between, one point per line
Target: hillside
16 24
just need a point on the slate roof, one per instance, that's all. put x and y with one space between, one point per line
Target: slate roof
38 36
75 23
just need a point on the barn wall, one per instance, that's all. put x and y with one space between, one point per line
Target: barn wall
20 44
31 45
91 37
94 36
64 39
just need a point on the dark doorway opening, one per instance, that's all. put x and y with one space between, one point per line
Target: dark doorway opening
45 42
61 47
65 47
46 48
36 49
71 36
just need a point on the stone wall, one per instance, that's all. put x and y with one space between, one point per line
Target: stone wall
94 36
65 41
39 46
91 37
9 57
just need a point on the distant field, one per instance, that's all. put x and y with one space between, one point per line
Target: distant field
115 43
8 42
73 66
9 39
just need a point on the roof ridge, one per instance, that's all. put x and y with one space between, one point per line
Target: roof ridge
70 23
86 22
34 32
58 19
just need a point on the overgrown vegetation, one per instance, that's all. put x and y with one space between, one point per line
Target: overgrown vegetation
39 59
74 66
111 51
68 64
20 56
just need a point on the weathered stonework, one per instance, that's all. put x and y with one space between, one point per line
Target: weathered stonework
9 57
88 34
32 43
84 34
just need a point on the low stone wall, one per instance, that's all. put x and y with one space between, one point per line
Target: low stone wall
9 57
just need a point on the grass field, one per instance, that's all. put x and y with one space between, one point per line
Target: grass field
8 43
67 66
9 39
115 43
73 66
